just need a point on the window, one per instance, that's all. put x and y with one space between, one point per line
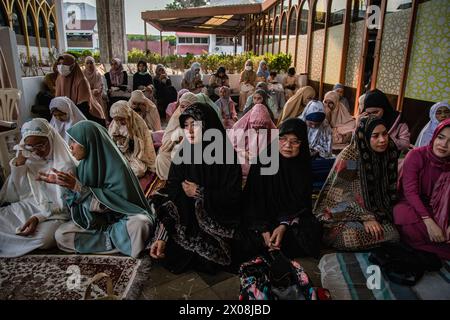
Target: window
41 26
17 20
359 10
3 20
337 12
304 12
30 24
319 15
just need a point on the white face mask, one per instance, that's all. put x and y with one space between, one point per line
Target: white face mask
248 68
123 131
64 70
31 155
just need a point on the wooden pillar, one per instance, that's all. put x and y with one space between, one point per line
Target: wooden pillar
161 42
145 33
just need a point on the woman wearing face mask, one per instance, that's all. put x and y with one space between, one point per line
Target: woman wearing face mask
172 137
31 211
73 84
117 81
422 214
131 135
107 205
146 109
247 83
64 115
95 79
355 204
50 78
438 113
192 77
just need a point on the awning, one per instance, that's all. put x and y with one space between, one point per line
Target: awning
226 20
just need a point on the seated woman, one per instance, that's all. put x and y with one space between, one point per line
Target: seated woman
339 89
260 97
164 93
50 78
30 211
172 137
198 219
246 144
204 99
276 90
72 83
277 211
117 82
131 135
142 80
290 84
271 104
263 73
65 114
320 142
438 113
422 213
355 204
341 122
246 83
174 105
95 79
217 81
297 103
376 102
108 208
192 77
146 109
227 108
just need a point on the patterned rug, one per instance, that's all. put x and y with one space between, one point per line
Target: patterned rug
65 277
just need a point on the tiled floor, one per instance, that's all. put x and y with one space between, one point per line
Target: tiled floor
163 285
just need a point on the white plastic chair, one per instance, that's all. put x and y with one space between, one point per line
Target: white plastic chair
8 107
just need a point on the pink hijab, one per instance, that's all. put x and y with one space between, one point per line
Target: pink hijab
117 75
171 107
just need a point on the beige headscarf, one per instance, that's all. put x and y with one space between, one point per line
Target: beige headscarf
248 75
76 87
296 104
150 114
137 130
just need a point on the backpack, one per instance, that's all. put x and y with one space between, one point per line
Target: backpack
277 278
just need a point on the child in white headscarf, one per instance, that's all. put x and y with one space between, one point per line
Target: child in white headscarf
65 114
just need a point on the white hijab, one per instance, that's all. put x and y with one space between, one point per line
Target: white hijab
74 115
49 197
427 132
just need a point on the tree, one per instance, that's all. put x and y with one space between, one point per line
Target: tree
181 4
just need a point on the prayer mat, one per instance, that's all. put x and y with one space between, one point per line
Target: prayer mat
351 276
66 277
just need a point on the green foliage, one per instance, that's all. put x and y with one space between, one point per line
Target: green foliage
279 62
180 4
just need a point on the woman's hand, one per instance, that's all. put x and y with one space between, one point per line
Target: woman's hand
375 229
20 160
63 179
190 188
434 231
361 115
277 236
157 249
266 238
29 227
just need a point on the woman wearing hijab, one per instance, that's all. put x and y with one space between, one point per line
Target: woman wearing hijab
339 89
117 81
146 109
165 93
438 113
50 78
297 103
65 114
217 81
277 213
263 73
199 216
174 105
422 214
320 141
172 137
249 144
270 102
108 208
340 120
142 78
31 211
133 138
227 107
378 104
95 79
192 77
355 204
72 83
247 83
260 97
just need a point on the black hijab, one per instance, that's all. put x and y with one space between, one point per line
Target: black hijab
271 199
377 99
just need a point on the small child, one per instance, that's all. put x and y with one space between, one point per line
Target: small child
227 107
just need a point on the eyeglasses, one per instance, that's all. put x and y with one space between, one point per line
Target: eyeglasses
294 142
36 147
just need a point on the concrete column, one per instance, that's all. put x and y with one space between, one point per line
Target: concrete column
60 21
111 30
8 43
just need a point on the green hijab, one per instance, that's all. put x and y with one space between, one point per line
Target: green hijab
106 172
